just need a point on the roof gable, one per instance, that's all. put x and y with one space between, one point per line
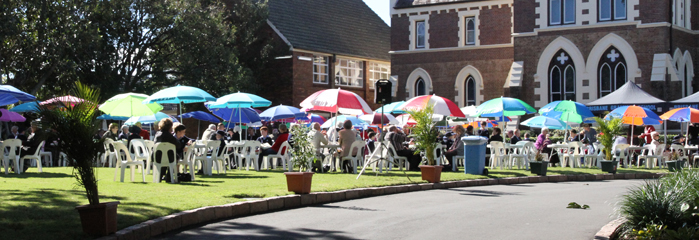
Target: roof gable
343 27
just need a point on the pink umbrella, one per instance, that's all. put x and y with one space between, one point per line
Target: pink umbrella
7 116
68 99
379 118
336 100
442 106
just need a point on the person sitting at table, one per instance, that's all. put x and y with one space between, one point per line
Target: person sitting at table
112 133
456 149
541 144
646 135
236 134
221 137
208 132
30 146
574 136
165 135
317 137
589 133
621 139
496 135
16 133
396 138
220 127
251 135
264 136
347 137
514 138
371 142
656 137
143 133
527 138
124 132
469 131
133 134
678 140
484 130
182 139
283 137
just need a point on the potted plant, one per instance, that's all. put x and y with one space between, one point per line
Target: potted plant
539 166
425 134
675 164
608 129
75 124
302 151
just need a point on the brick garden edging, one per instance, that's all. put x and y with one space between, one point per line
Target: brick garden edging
609 231
202 215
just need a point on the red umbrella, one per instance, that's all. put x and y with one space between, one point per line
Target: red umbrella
68 99
442 106
336 100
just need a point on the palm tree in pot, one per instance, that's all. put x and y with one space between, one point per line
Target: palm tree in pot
608 129
425 134
75 124
302 152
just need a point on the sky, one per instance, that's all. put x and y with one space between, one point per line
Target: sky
381 8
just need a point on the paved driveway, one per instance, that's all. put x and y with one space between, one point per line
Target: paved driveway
523 211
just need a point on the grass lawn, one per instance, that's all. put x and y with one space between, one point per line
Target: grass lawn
41 205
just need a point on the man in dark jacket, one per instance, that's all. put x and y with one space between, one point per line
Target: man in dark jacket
32 143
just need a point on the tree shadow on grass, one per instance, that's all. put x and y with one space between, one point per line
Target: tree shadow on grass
51 214
236 230
30 174
226 176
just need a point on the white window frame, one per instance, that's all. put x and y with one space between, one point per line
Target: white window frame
376 72
560 13
470 33
563 12
357 69
463 15
418 35
599 9
626 10
317 65
413 31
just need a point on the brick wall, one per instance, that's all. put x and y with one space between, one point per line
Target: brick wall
645 42
400 33
525 19
695 15
444 29
495 25
651 11
443 68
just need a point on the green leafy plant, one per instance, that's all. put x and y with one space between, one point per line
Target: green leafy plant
576 205
425 132
650 232
608 129
302 150
75 124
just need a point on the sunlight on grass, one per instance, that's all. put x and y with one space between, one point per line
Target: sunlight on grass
41 205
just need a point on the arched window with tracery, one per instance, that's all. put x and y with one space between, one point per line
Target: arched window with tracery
470 91
612 71
561 77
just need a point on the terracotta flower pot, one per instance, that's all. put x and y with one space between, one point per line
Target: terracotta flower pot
430 173
100 219
299 182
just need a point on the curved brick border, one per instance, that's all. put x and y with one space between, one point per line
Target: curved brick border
609 231
202 215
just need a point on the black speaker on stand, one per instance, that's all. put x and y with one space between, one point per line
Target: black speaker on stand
382 91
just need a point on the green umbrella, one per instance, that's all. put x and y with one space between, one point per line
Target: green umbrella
129 105
503 107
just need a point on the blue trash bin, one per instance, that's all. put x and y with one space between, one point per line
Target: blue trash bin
474 154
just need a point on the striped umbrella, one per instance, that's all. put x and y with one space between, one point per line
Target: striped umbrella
442 106
635 115
686 114
336 101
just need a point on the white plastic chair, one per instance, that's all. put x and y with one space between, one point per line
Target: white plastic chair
623 154
248 153
355 160
594 157
140 153
12 149
109 155
187 161
36 157
681 151
574 154
522 156
392 154
164 148
209 160
128 162
47 155
438 154
656 153
498 157
150 145
284 148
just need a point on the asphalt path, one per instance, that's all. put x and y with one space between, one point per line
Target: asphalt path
521 211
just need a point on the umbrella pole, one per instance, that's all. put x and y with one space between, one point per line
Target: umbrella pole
633 125
180 112
665 130
198 125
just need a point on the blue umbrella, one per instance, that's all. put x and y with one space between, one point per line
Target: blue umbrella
11 95
356 122
149 119
179 95
26 107
391 108
200 115
542 121
568 111
110 117
282 112
244 115
239 100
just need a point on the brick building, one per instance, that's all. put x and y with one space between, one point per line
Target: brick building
543 50
331 44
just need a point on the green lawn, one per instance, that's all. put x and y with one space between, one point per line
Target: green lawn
41 205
